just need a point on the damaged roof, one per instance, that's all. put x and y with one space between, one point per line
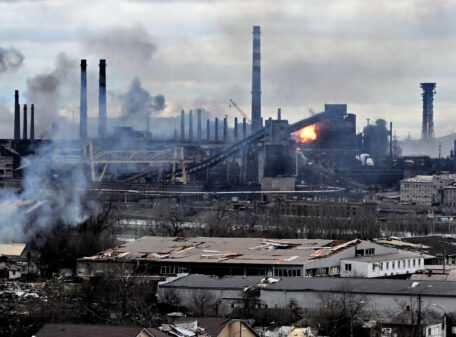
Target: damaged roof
226 250
12 249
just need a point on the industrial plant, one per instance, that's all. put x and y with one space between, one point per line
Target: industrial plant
220 222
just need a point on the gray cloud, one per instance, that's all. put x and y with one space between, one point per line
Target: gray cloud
10 59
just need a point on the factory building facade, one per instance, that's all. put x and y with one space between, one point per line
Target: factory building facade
425 189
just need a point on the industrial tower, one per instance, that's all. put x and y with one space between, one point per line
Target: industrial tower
427 130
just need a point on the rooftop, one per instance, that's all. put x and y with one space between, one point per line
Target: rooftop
84 330
387 257
226 250
319 284
419 179
12 249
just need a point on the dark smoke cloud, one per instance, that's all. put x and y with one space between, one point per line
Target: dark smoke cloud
120 44
10 59
46 90
138 105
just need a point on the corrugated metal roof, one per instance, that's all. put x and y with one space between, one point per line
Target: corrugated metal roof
226 250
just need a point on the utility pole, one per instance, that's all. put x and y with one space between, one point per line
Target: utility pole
420 331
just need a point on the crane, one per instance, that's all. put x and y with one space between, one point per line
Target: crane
232 103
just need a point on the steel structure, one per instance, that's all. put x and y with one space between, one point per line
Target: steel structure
103 159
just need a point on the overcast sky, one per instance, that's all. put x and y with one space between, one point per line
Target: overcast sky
370 54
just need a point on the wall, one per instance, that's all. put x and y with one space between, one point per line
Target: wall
383 304
236 329
365 268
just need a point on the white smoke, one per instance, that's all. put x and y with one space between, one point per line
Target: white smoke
51 194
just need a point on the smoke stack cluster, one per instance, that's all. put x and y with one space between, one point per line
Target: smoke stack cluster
102 115
83 105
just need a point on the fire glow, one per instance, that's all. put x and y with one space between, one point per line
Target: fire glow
307 134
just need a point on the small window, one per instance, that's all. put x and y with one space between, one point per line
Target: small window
348 267
408 263
387 265
381 266
393 265
373 266
414 262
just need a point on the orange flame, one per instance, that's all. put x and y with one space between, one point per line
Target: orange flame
307 134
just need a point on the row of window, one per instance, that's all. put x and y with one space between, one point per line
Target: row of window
287 272
397 264
390 264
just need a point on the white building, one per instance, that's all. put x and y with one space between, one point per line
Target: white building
425 190
400 263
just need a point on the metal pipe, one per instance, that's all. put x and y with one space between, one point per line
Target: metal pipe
244 128
225 129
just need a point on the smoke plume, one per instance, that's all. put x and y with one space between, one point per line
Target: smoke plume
138 104
51 195
10 59
46 90
128 45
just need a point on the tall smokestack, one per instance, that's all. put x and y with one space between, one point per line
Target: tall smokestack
225 129
24 127
279 114
208 130
182 125
256 80
32 122
17 116
190 125
83 102
427 130
216 129
235 129
102 116
244 128
391 140
198 130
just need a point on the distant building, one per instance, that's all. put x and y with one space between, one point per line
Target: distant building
166 256
425 190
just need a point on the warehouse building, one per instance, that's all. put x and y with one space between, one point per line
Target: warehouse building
167 256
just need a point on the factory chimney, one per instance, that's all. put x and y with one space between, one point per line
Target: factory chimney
198 130
182 125
102 116
17 116
235 129
208 130
216 129
279 114
256 80
190 125
24 127
427 130
32 122
244 128
83 102
225 129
